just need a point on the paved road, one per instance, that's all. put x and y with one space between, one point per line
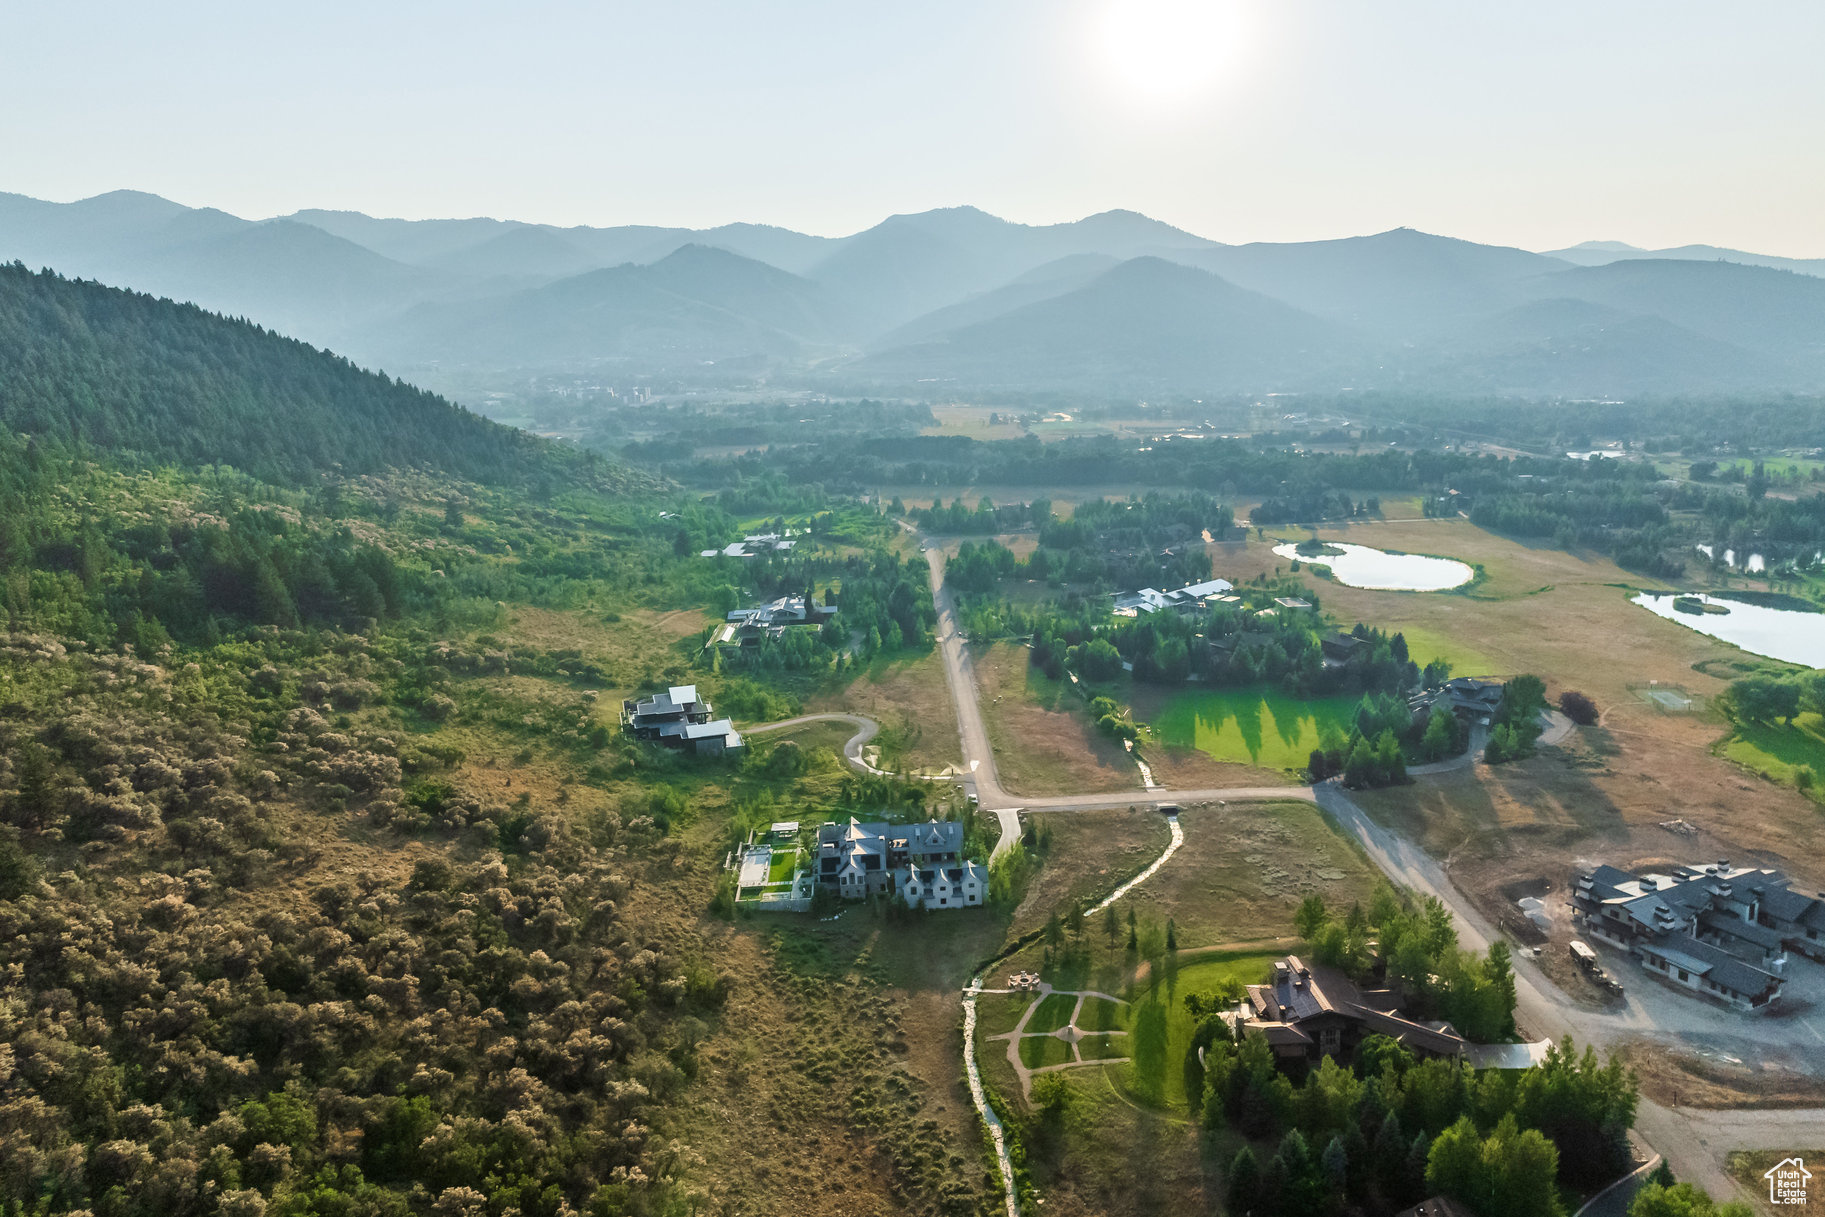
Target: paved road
979 756
1694 1142
865 730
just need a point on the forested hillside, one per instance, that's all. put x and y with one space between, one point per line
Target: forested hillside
117 372
327 885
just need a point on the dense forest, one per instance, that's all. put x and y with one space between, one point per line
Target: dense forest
92 368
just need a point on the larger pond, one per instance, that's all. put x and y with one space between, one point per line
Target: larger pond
1793 635
1378 570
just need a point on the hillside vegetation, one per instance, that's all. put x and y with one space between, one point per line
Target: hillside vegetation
327 885
100 369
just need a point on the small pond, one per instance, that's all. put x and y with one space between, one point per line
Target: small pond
1793 635
1378 570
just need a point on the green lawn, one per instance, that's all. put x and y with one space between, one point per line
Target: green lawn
1037 1050
1053 1013
1100 1014
1195 976
783 866
1778 752
1206 974
1103 1047
1270 730
1423 646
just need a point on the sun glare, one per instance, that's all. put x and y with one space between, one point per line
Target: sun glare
1165 53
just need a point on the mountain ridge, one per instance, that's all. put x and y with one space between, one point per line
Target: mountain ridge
502 297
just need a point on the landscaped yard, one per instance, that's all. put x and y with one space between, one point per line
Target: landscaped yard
1103 1047
1038 1050
1266 729
1100 1014
1054 1012
1207 974
782 866
1194 976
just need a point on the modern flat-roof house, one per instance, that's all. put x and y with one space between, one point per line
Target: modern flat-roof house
752 546
923 863
754 625
1188 599
1308 1013
1718 930
678 718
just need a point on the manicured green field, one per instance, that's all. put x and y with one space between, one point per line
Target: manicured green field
1054 1012
1206 974
1266 729
1100 1014
782 865
1037 1050
1103 1047
1195 976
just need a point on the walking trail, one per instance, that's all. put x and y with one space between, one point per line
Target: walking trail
1694 1142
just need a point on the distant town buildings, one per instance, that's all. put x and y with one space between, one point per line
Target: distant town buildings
1718 930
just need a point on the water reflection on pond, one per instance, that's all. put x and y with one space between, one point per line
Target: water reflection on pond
1793 635
1375 569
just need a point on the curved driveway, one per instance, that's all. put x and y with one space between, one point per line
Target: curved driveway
1694 1141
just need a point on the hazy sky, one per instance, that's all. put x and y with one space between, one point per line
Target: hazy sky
1534 124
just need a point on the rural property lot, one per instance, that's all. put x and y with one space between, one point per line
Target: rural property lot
1567 619
909 699
1044 742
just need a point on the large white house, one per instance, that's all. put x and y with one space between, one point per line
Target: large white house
950 885
923 864
1187 599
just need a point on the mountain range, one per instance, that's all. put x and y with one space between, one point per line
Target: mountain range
947 301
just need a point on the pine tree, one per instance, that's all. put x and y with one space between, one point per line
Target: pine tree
1243 1193
1390 1155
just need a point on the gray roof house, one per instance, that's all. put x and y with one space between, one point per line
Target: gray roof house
1718 930
678 718
1187 599
922 862
1464 696
1308 1013
752 625
956 885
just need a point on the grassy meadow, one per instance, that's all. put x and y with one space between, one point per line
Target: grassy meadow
1265 729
